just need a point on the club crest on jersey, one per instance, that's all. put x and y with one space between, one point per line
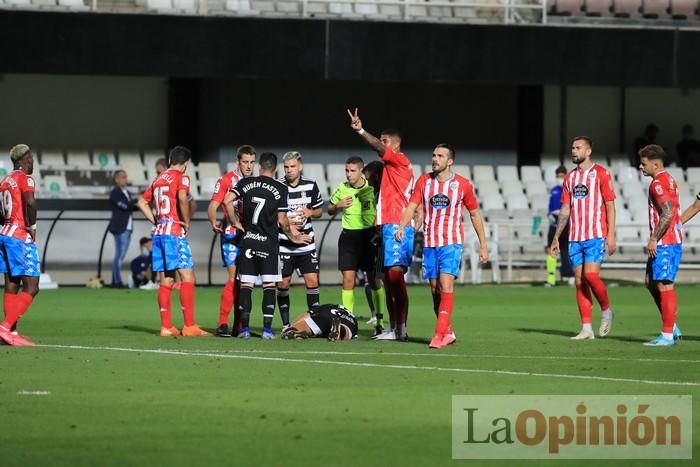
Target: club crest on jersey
439 201
591 174
580 191
428 183
454 185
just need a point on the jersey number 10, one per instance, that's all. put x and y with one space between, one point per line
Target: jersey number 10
6 203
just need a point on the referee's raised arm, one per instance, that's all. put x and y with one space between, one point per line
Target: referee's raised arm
356 124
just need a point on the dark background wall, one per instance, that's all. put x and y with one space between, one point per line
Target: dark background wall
180 46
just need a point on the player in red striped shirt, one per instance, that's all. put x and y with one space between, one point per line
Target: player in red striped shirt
588 201
229 237
395 189
665 241
168 194
19 258
444 195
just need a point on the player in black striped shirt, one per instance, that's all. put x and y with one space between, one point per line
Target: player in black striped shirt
305 203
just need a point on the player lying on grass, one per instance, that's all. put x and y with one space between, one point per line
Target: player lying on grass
330 321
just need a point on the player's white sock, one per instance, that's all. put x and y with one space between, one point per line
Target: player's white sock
667 335
587 327
607 314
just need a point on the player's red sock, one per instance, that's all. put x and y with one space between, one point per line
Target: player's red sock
398 285
187 302
11 310
599 290
227 298
669 307
585 303
164 303
446 305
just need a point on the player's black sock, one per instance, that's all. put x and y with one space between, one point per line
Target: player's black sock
268 305
245 302
283 304
313 301
368 294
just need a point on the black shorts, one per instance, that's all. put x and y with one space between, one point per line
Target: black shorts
356 251
264 263
323 318
305 264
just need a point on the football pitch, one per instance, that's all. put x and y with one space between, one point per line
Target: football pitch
102 388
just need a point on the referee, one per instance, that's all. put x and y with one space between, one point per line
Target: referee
355 249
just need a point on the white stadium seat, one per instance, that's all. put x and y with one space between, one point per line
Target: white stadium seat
507 173
104 159
209 169
535 188
512 187
488 187
492 201
483 172
52 158
461 169
78 158
530 173
316 172
517 201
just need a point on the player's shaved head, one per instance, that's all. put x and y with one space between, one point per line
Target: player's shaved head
355 160
179 155
392 132
268 161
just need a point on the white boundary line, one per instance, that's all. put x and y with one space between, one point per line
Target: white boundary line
377 365
447 355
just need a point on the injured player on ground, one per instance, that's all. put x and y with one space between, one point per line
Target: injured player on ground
330 321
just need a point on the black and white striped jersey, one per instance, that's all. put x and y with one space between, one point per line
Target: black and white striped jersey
305 193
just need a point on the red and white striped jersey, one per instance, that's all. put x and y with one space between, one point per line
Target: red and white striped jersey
223 186
662 189
443 203
587 191
11 189
396 184
162 196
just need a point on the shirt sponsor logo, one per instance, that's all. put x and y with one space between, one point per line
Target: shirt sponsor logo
439 201
186 181
580 191
255 236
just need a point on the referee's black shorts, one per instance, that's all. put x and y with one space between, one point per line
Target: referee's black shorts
356 251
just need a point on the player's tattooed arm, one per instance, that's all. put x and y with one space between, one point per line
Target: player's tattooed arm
405 219
286 227
143 206
212 211
183 203
563 219
356 124
691 210
30 210
665 218
611 242
478 224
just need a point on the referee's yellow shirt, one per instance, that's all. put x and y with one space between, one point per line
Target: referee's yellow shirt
363 210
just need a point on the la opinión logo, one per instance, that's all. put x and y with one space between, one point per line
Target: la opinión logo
634 427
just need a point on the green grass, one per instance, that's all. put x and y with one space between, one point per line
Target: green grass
276 403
